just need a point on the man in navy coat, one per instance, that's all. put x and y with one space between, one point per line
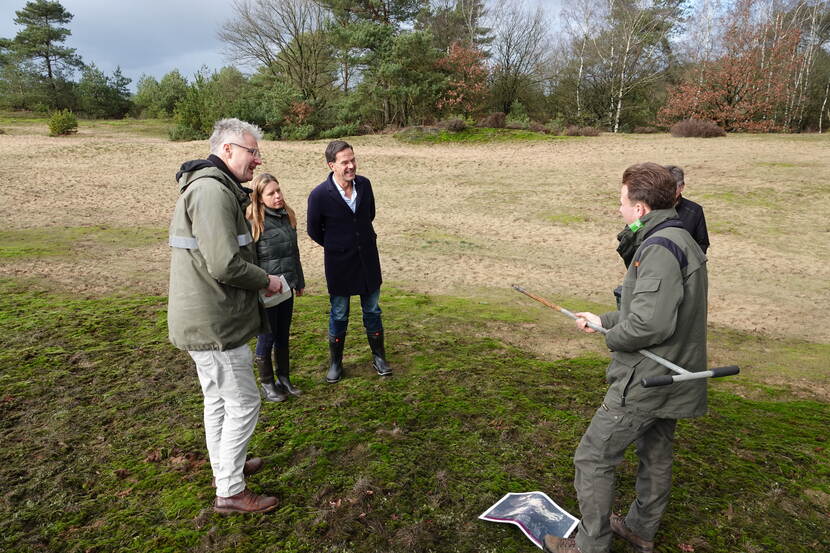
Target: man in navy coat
340 214
689 212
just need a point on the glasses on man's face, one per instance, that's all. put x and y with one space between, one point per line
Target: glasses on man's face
253 151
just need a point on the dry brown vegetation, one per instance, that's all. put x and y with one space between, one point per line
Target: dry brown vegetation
467 220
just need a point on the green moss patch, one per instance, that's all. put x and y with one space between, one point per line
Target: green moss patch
65 241
103 447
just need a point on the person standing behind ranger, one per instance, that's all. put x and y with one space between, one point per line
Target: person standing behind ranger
274 227
688 211
663 308
340 214
214 307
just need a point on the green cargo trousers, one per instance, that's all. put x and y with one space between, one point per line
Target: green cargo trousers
600 451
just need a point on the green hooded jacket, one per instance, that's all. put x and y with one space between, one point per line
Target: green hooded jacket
663 309
213 302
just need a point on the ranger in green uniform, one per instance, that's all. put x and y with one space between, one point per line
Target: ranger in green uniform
663 309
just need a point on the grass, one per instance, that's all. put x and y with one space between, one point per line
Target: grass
157 128
22 122
66 241
564 218
102 440
434 135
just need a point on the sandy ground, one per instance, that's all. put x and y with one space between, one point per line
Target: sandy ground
468 220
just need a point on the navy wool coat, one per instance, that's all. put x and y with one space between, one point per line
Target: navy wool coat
349 241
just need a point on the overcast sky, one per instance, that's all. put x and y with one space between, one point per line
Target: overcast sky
150 37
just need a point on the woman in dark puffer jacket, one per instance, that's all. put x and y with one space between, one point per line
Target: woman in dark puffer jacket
274 228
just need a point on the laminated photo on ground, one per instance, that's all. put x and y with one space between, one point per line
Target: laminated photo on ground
534 513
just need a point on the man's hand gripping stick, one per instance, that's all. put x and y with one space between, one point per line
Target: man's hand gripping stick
662 380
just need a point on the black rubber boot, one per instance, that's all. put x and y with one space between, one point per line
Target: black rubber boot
282 372
378 353
273 392
336 344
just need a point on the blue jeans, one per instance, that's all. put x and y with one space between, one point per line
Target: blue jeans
339 314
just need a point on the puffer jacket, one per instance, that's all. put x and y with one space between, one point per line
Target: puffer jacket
663 309
277 250
214 281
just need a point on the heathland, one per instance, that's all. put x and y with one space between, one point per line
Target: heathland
102 448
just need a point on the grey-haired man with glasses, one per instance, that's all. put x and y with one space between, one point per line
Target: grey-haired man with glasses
213 307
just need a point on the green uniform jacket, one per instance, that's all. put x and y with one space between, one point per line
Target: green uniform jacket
214 281
663 309
277 250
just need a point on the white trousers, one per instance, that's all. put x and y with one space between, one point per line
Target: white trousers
231 412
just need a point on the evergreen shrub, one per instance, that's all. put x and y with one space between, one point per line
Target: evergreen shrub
340 131
297 132
62 123
183 133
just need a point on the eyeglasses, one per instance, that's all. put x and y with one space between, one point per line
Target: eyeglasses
253 151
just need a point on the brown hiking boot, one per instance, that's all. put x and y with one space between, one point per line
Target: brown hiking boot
639 544
252 466
245 501
555 544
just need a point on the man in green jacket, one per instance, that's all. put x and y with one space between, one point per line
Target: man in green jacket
213 306
663 309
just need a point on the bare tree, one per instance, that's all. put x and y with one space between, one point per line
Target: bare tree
520 45
581 23
635 46
285 36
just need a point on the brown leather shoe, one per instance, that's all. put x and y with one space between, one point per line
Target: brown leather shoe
555 544
252 466
639 544
245 501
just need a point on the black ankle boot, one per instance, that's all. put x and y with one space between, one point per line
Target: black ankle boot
378 353
272 392
282 372
336 345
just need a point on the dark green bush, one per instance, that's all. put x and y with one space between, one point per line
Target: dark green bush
183 133
62 122
298 132
340 131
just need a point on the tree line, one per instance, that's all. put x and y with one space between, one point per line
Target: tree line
325 68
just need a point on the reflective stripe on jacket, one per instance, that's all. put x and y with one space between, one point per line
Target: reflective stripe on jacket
214 280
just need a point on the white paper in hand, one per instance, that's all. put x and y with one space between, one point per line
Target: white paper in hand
277 299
